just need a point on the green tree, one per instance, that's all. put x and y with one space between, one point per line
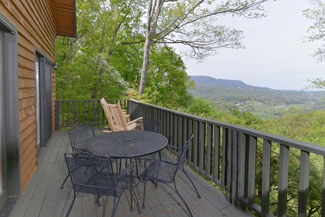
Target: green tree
317 29
317 33
86 68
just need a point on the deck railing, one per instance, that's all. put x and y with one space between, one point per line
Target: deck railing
90 111
226 154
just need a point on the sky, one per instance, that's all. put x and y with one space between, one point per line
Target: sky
277 54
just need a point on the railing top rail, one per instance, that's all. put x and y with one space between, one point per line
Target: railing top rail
305 146
76 100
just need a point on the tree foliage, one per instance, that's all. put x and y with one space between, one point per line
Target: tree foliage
317 29
193 24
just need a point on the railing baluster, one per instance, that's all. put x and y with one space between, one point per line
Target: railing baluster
88 112
216 146
229 159
180 132
167 127
171 131
190 148
98 112
69 114
163 123
185 120
242 169
175 126
209 153
283 180
84 112
78 111
62 114
201 145
94 113
251 169
266 177
234 166
196 139
74 113
303 183
57 115
224 157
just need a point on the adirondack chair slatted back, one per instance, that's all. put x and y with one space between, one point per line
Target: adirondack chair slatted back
107 114
117 116
114 115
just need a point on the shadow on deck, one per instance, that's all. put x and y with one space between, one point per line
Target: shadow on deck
43 196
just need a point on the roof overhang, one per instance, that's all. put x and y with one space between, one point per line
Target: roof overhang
65 17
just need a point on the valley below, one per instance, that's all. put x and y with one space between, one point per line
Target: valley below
261 101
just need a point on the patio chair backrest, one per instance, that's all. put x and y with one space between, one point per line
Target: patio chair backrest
114 115
181 156
78 134
91 174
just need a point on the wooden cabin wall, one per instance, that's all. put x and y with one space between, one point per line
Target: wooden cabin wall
36 28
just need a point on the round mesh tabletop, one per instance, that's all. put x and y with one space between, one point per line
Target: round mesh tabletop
126 144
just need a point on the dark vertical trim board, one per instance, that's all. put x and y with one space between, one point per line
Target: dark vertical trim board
11 146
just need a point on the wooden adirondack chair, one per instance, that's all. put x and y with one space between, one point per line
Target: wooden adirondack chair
117 120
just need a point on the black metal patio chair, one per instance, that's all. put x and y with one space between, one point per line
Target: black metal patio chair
95 175
152 125
78 134
165 172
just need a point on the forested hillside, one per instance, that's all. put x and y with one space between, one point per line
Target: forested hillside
264 102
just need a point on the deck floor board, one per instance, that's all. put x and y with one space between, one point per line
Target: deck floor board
44 198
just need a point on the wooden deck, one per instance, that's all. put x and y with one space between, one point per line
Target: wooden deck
43 196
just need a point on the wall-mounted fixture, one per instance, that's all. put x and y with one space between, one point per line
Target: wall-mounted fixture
55 65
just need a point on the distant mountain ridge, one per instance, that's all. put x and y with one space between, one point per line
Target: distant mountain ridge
263 101
211 80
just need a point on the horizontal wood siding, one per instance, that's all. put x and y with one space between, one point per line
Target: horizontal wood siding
36 28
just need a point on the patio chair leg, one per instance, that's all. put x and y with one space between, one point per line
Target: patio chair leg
180 196
66 178
116 205
131 206
137 201
197 192
70 208
144 194
97 200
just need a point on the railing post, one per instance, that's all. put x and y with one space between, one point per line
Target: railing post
303 183
283 180
224 157
251 169
242 170
216 150
234 181
266 177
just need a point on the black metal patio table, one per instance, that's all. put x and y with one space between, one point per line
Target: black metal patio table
126 144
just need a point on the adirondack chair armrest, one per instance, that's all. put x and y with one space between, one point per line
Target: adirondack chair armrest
132 126
136 120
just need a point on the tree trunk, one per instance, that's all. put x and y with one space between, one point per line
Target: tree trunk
145 64
146 50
